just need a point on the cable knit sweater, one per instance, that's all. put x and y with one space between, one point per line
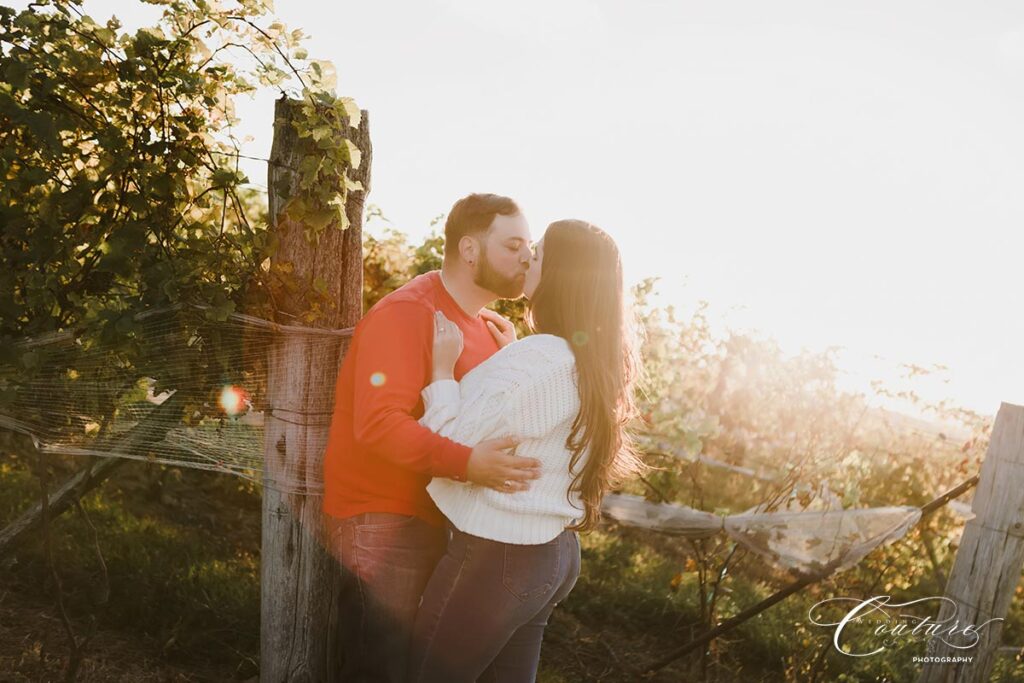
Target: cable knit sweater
526 390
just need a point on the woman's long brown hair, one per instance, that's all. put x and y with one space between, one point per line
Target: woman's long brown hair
580 298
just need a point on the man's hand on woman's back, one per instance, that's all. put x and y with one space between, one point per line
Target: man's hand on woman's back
492 466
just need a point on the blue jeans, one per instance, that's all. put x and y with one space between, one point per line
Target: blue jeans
386 560
484 611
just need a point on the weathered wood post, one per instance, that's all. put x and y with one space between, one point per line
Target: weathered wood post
299 580
988 563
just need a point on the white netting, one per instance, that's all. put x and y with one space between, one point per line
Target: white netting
805 542
85 398
808 541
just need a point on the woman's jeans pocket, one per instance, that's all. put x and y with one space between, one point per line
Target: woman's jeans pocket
529 571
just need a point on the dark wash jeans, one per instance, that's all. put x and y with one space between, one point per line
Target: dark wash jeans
486 606
386 560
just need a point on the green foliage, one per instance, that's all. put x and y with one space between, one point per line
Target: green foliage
121 189
742 402
325 161
388 260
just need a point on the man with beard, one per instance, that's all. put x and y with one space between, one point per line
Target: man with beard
381 524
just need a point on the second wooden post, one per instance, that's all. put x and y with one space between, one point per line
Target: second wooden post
988 563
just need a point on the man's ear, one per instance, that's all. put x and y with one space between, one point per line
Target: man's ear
469 249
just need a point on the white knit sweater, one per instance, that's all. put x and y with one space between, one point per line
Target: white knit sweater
526 390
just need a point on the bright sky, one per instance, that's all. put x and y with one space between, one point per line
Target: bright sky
832 174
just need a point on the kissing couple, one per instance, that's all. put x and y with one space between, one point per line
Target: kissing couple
461 462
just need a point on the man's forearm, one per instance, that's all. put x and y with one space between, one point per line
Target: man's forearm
405 442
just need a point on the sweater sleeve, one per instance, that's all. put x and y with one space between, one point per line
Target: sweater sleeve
441 404
391 366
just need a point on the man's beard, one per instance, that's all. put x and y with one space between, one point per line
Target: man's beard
488 278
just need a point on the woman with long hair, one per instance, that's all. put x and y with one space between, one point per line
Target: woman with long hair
565 394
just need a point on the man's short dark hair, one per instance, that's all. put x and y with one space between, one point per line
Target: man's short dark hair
474 214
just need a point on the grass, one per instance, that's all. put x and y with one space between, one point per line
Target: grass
181 551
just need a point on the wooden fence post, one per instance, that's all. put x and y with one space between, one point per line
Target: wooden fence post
988 563
299 580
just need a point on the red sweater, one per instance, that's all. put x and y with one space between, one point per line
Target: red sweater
378 457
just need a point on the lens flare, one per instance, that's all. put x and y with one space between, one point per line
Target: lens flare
377 379
233 400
